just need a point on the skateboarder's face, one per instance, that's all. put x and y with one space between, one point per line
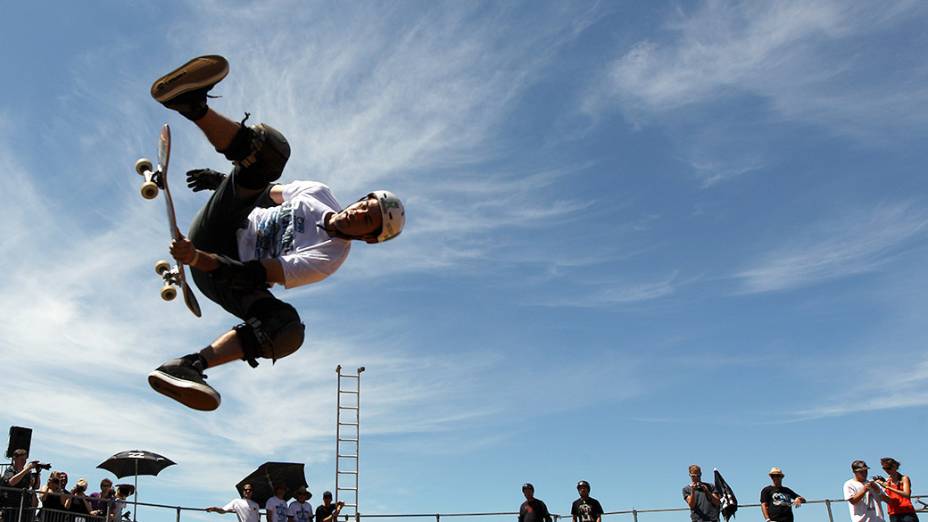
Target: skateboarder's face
360 219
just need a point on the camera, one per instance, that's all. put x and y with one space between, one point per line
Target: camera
878 478
38 465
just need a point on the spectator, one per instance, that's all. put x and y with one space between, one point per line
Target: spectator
533 509
300 510
702 498
245 509
898 492
276 506
19 476
78 503
328 512
777 501
863 496
100 499
52 498
586 508
118 503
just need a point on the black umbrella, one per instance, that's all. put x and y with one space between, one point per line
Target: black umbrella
270 474
729 502
135 463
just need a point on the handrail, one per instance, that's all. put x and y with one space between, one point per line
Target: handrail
437 516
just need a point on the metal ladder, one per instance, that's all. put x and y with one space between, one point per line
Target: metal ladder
347 440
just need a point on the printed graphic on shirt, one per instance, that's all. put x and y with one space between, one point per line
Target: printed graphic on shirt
781 499
585 512
275 231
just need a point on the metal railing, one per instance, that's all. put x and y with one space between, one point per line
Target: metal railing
166 513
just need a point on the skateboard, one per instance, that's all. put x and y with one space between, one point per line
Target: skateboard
157 181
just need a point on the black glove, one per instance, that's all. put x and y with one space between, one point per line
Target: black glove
236 275
204 179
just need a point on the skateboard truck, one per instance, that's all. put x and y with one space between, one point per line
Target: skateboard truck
149 189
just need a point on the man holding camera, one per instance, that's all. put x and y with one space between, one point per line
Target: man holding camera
702 498
21 475
328 511
863 496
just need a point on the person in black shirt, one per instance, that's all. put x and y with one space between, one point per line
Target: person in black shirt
586 508
777 501
328 512
532 510
21 476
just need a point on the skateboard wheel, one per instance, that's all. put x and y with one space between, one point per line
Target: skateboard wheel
149 190
168 293
162 266
142 165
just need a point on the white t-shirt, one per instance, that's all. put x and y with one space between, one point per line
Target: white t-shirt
292 232
869 509
300 511
245 510
277 507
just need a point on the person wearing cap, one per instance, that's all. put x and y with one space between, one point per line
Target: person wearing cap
863 497
533 509
703 499
252 234
18 475
300 509
777 501
585 508
246 509
898 490
276 506
328 511
118 503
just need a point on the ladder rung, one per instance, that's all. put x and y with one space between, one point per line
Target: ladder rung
347 407
349 376
347 440
347 456
348 472
349 391
347 423
347 489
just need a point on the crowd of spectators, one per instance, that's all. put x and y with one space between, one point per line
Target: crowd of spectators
864 498
24 497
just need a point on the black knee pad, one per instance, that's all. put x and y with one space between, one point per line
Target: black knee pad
272 331
259 153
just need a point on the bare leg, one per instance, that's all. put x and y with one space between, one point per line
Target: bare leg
226 348
219 130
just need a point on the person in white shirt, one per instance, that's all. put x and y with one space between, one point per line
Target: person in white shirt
252 234
245 509
276 506
300 509
863 497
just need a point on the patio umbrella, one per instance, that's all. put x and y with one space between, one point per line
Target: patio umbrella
135 463
268 474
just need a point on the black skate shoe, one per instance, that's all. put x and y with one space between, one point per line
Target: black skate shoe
182 380
184 89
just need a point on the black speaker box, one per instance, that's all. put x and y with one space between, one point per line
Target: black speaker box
20 438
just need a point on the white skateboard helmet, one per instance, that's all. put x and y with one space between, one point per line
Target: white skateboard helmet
393 212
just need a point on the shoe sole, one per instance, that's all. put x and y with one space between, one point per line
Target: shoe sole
200 72
190 394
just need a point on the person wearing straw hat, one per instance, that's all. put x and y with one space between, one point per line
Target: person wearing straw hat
863 496
777 500
300 509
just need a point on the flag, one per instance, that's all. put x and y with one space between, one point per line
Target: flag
729 502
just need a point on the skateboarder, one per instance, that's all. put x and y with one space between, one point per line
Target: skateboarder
252 234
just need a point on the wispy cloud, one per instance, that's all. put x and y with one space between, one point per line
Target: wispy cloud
854 244
724 78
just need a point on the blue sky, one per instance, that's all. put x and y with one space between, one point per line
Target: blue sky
640 236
